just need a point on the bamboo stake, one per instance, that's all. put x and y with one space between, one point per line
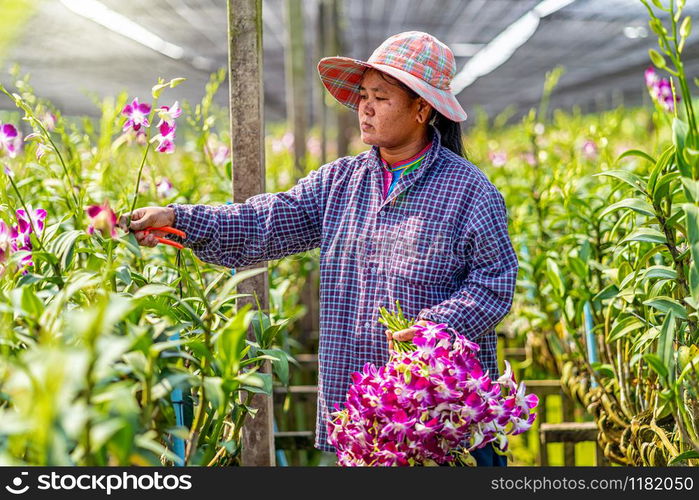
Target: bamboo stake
247 144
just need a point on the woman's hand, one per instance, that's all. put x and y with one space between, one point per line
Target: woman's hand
142 218
403 335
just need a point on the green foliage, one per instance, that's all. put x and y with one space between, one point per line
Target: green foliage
98 333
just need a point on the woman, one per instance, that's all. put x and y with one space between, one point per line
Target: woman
409 220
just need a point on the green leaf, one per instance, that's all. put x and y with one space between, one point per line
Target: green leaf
167 384
667 305
666 344
633 152
665 272
658 60
603 369
29 279
692 212
657 365
623 327
132 245
153 290
280 364
692 367
63 246
124 274
578 266
260 324
31 303
687 455
680 130
663 161
259 383
224 293
213 387
637 205
628 177
645 234
663 187
554 275
691 189
608 292
230 341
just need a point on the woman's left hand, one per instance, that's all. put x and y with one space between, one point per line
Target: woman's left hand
403 335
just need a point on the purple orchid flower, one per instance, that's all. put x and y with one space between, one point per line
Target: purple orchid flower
425 403
660 89
36 216
166 138
136 114
48 119
169 114
651 76
10 140
164 188
5 241
497 158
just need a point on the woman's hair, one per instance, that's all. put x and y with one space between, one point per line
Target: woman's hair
448 129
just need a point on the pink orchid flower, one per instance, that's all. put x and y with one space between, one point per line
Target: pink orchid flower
221 156
102 219
497 158
589 150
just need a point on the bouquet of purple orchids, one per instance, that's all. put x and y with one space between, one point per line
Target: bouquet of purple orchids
430 405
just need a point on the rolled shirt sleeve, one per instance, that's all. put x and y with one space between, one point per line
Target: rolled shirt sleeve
265 227
486 294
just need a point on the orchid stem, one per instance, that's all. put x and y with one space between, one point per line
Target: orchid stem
138 180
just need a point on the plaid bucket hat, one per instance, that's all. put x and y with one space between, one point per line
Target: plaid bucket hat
417 59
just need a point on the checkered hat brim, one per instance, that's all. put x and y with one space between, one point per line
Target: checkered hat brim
342 76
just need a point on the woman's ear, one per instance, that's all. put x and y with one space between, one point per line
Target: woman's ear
424 111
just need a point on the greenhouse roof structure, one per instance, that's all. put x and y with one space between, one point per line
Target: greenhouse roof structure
503 48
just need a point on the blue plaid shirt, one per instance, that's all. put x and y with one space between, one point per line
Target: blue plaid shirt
438 244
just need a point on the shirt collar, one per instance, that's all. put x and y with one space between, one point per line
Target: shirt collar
402 163
376 162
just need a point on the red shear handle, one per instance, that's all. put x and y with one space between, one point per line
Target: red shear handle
167 229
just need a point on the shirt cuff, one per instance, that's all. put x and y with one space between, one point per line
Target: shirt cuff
177 223
428 315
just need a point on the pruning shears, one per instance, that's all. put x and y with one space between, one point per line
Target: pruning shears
167 229
125 222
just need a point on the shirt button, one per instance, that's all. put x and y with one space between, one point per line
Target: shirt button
367 324
373 270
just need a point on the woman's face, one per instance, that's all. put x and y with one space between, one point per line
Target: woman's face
388 116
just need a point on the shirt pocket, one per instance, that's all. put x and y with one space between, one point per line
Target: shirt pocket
423 252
